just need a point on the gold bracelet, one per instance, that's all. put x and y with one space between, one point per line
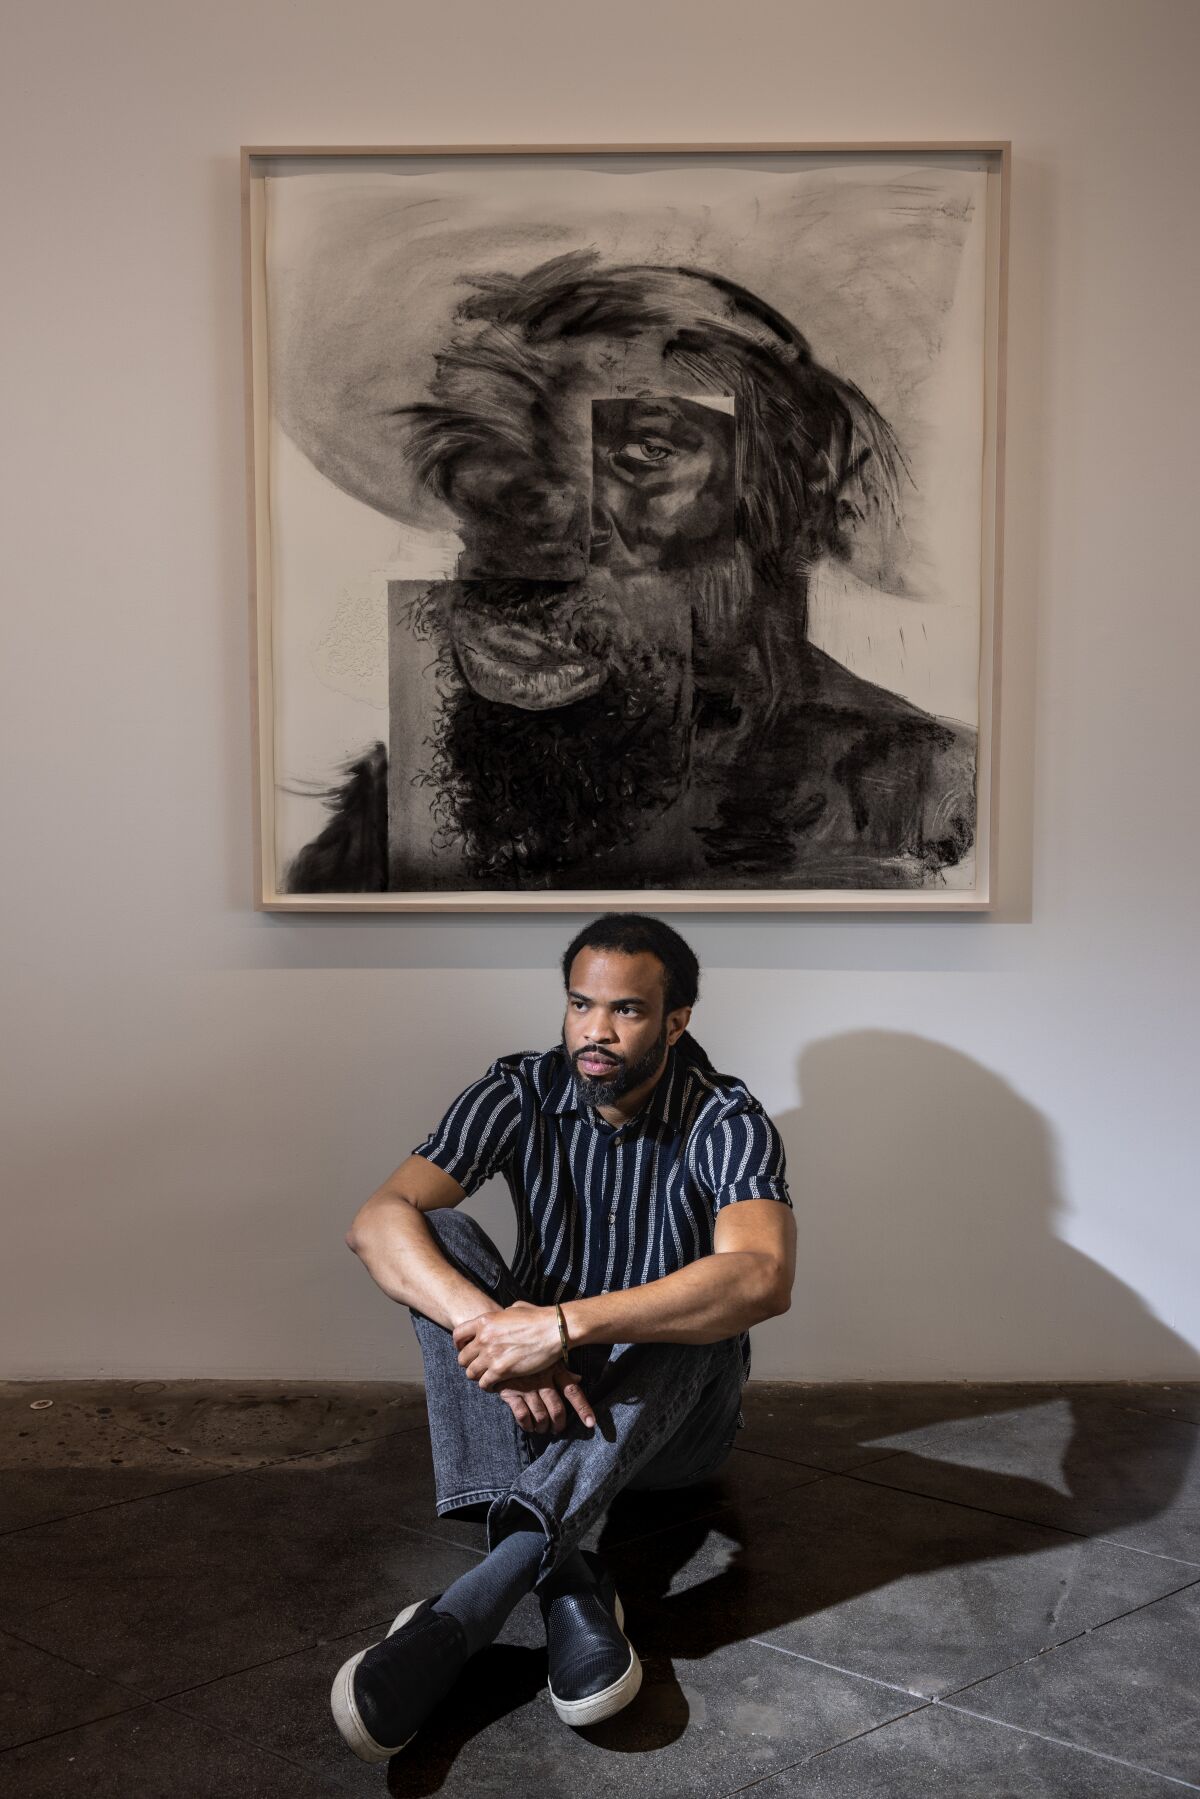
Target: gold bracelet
562 1330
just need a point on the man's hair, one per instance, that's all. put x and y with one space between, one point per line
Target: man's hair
632 934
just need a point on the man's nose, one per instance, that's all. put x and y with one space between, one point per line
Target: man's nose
600 1028
608 548
547 508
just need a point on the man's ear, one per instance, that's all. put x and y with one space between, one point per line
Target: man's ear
677 1023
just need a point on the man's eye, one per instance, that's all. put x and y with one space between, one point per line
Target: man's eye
647 450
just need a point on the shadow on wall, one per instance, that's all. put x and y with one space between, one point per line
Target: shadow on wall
928 1205
927 1201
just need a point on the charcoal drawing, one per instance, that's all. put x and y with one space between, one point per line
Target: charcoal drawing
615 688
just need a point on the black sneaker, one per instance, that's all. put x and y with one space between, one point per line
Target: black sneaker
383 1695
594 1669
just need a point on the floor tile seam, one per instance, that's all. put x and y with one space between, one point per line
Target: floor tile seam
806 1761
141 1695
660 1530
187 1486
1044 1736
987 1511
1155 1555
137 1698
923 1705
285 1655
820 1467
1089 1630
1143 1605
836 1668
809 1470
725 1505
814 1477
1020 1661
233 1736
80 1724
144 1696
1169 1417
36 1611
431 1536
1111 1402
142 1705
885 1455
113 1505
147 1695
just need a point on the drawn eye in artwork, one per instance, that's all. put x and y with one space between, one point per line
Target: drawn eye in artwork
643 452
663 492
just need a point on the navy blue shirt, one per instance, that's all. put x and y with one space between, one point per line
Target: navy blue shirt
601 1207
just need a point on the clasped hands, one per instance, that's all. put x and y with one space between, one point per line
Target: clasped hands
516 1353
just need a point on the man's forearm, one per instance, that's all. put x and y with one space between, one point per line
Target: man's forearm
393 1242
715 1297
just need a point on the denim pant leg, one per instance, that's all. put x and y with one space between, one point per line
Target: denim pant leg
478 1447
665 1411
645 1397
705 1439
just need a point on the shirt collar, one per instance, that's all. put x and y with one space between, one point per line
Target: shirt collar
664 1106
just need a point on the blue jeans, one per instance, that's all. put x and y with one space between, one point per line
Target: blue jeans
666 1415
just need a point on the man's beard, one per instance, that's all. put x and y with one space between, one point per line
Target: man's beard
625 1076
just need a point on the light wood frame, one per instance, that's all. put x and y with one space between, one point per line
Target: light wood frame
255 162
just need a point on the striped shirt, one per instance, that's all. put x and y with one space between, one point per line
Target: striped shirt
601 1207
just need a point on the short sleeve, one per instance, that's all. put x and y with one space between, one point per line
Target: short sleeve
479 1132
743 1158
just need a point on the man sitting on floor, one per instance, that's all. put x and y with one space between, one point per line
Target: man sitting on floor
612 1354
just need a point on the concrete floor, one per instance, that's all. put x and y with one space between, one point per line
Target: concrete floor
967 1591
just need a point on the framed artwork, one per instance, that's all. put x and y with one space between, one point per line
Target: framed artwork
626 525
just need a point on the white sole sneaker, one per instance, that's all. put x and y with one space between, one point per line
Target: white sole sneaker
610 1699
346 1716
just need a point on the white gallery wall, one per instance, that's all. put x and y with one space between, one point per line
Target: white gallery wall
991 1122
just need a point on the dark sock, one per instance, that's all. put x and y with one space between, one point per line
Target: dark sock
573 1574
482 1598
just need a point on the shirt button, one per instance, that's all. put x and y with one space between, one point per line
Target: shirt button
612 1217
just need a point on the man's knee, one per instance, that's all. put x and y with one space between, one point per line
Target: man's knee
449 1222
463 1240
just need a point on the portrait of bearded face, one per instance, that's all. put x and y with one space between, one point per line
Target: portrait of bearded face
616 689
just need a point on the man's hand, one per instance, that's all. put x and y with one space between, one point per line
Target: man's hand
536 1400
518 1334
518 1339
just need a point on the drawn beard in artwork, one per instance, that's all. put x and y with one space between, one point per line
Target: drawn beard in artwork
646 465
561 737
